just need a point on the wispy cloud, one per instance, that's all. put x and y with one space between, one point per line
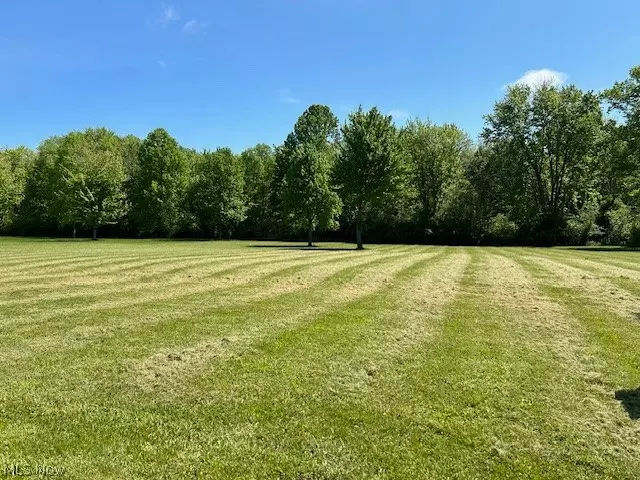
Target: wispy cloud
287 96
169 14
193 27
162 64
534 79
399 114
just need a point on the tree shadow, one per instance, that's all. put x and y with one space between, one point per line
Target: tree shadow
630 400
311 249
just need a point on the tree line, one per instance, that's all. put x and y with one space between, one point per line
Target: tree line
553 165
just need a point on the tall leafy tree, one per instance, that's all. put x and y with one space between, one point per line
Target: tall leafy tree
258 164
14 165
624 138
38 209
159 185
303 172
369 167
89 174
216 194
435 156
459 218
130 148
624 97
545 139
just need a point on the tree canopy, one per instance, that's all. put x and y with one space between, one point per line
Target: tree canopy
436 155
159 185
368 168
553 164
216 194
307 198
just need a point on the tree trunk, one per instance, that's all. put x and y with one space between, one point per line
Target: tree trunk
359 236
95 233
74 232
310 243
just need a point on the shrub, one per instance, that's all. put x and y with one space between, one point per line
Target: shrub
634 237
582 228
501 229
621 221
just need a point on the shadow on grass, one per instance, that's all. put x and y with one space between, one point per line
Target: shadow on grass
630 400
605 249
311 249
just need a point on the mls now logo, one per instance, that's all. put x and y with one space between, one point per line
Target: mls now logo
26 470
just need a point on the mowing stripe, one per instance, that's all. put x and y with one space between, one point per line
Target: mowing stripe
160 293
330 295
345 347
606 263
624 278
108 266
606 292
252 288
139 280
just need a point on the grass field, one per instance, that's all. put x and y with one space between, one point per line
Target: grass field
167 359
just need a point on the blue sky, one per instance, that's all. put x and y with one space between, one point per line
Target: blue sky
235 73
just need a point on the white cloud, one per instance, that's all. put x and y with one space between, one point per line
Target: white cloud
536 78
399 114
169 14
287 96
194 26
162 64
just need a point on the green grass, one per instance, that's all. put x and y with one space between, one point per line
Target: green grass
168 359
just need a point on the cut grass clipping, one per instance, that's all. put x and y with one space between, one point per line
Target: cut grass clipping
158 359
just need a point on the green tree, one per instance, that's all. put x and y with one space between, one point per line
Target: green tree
38 209
435 155
493 196
304 168
259 166
14 167
89 173
216 193
159 185
130 149
545 139
623 161
624 97
460 218
369 170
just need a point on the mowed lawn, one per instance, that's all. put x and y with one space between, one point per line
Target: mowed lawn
169 359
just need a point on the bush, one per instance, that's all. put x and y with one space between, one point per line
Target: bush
501 229
581 233
582 228
621 225
634 237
